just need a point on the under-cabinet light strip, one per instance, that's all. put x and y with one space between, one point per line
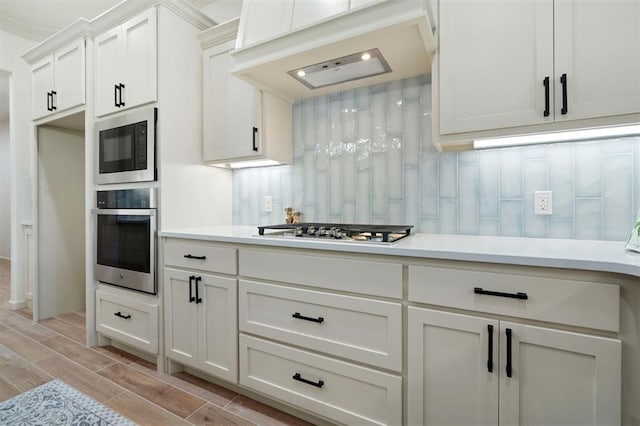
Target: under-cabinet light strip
573 135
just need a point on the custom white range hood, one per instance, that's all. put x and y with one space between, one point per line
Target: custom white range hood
395 38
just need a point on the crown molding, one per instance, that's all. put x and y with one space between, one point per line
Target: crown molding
111 18
221 33
129 8
79 28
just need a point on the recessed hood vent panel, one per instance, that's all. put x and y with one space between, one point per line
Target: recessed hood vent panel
397 34
340 70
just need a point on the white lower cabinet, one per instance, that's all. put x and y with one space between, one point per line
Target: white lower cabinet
201 322
465 369
130 319
338 390
366 330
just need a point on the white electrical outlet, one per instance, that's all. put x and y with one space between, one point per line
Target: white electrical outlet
268 203
543 202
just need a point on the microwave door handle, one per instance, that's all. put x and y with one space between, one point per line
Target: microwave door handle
128 212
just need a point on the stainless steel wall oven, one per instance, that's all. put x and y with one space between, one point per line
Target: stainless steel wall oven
126 225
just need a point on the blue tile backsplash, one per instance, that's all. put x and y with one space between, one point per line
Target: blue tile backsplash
365 156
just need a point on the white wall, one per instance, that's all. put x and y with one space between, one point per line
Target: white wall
20 153
5 200
61 219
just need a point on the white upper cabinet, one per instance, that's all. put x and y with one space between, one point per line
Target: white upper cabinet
240 122
506 67
597 48
126 65
59 80
493 57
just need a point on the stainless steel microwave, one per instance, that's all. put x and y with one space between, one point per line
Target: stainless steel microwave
126 150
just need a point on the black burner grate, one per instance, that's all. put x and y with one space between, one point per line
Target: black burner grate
383 233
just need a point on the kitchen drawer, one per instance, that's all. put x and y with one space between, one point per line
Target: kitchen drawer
337 390
200 255
579 303
364 330
335 273
128 320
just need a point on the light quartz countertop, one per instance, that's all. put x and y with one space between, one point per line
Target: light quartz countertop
605 256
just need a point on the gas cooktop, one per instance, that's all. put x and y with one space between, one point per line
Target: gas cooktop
339 232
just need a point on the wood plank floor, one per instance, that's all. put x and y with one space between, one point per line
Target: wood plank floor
32 354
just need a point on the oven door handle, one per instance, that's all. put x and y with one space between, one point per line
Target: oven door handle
128 212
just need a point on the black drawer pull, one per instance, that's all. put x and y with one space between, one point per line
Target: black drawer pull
565 108
191 298
509 353
490 351
297 377
319 320
119 314
518 295
196 280
545 83
255 147
190 256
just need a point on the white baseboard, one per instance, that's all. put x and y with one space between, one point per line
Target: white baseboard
14 306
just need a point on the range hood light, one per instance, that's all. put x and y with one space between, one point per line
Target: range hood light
359 65
572 135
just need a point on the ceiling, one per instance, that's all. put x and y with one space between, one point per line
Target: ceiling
38 19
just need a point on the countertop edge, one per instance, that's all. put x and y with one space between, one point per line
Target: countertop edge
601 256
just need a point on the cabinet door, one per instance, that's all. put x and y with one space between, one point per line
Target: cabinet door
230 109
69 76
494 57
43 84
217 320
597 47
263 19
140 59
108 63
448 375
558 377
309 11
181 319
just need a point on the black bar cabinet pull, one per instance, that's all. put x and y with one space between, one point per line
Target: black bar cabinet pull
508 333
490 350
121 86
255 131
190 256
191 298
54 98
196 281
545 82
48 101
119 314
299 378
518 295
115 95
319 320
563 80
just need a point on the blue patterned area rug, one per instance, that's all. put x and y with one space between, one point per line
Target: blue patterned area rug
56 403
